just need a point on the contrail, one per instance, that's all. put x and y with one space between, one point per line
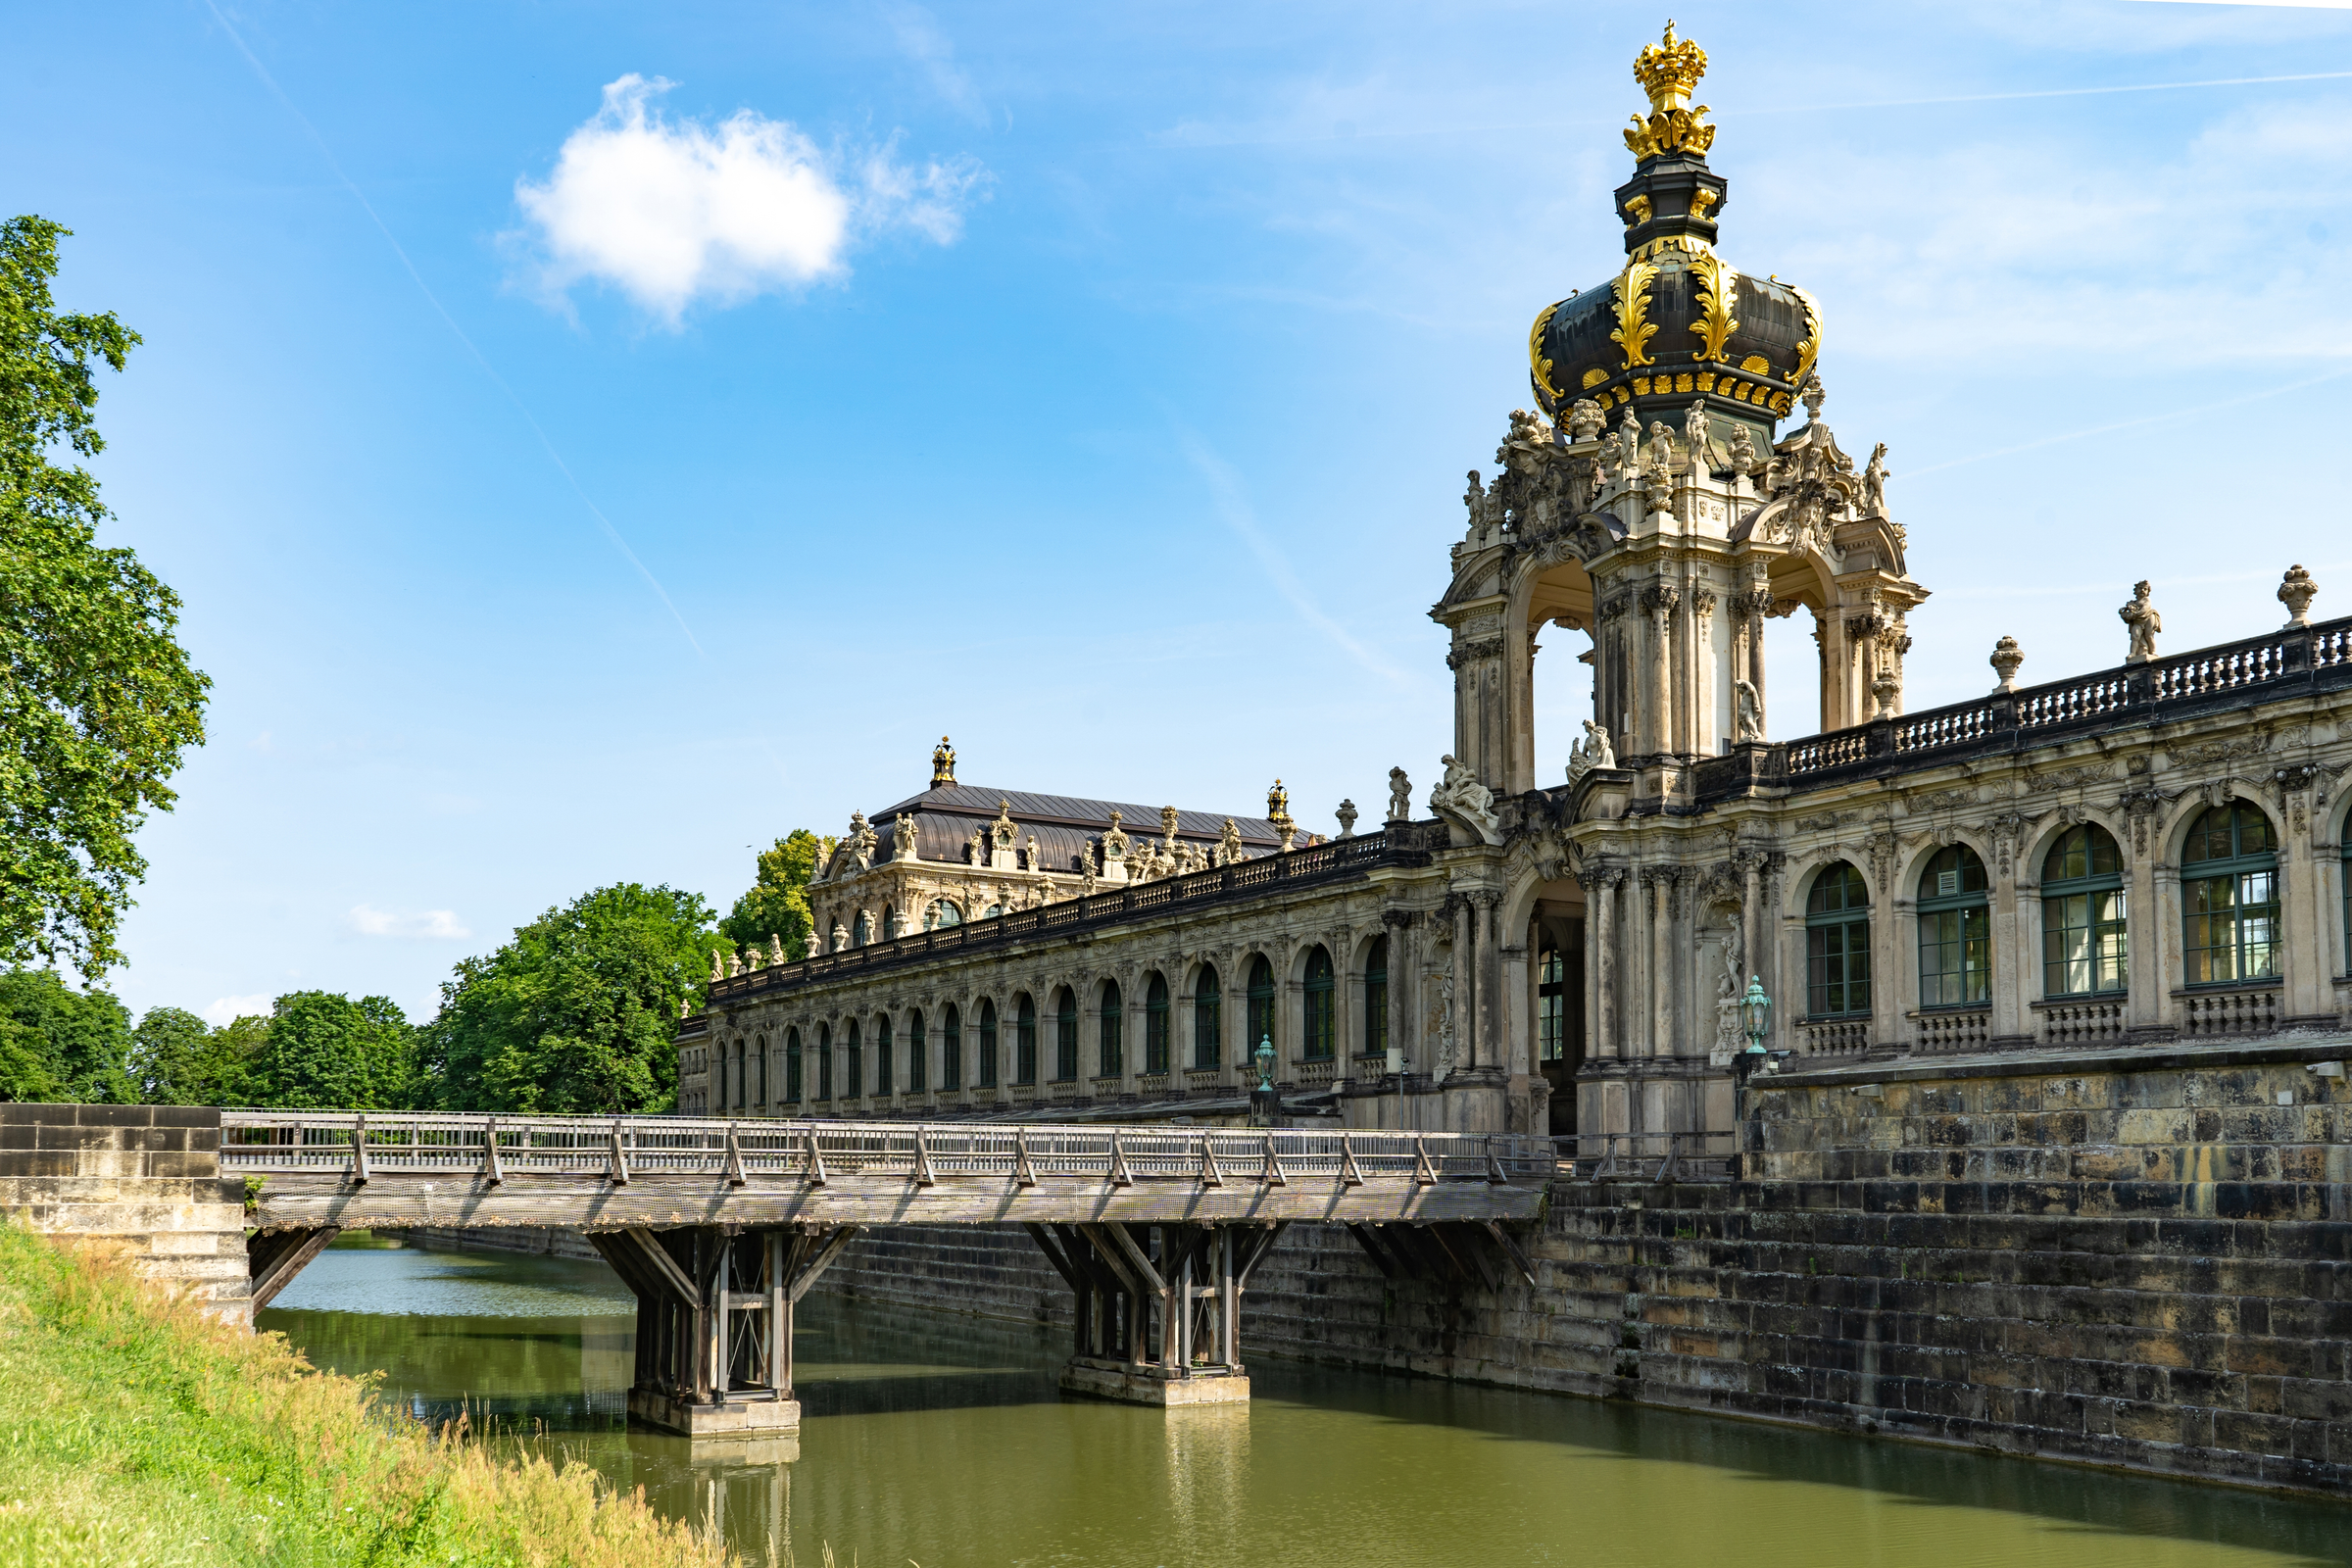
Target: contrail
545 445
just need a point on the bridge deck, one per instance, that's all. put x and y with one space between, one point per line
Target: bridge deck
397 1169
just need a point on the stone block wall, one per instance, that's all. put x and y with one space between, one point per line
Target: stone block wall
146 1177
2142 1260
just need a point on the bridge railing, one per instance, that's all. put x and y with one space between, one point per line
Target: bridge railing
1688 1157
379 1144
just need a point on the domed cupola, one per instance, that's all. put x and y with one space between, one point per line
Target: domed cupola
1679 323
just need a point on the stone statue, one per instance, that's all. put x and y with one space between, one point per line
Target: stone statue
1401 796
1744 450
1598 751
1584 421
976 852
815 945
1874 483
2296 593
860 841
902 835
841 937
1002 829
1749 726
1694 435
1661 448
1037 854
776 949
718 967
1480 503
2140 616
1229 845
734 966
1461 797
1812 397
1446 1042
1628 439
1115 843
1578 763
1347 816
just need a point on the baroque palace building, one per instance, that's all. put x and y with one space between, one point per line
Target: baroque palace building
2152 851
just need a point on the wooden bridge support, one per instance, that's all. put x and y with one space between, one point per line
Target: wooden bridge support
715 1308
1158 1308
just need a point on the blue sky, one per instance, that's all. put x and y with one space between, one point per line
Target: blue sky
572 481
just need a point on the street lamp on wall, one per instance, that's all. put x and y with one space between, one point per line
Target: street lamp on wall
1755 1015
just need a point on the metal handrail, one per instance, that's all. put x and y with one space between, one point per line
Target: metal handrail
1650 1157
391 1144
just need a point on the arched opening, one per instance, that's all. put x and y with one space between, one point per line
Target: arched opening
1205 1019
1260 1009
861 931
919 1053
942 914
1955 931
1321 1020
760 1060
2230 897
2347 893
824 1061
1551 1006
2085 942
738 1102
1065 1036
883 1052
1156 1023
950 1050
853 1061
792 1066
1375 1042
985 1074
1110 1023
1838 944
1024 1041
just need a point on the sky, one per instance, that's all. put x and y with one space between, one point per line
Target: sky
594 440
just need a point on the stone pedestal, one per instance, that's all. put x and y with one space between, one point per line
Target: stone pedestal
1132 1384
733 1419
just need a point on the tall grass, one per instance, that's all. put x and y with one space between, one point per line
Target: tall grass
134 1430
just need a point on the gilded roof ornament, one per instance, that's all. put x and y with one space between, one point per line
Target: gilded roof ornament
1633 332
1669 73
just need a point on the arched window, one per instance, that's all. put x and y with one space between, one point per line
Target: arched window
985 1073
991 911
2230 897
1156 1024
1322 1011
861 931
792 1066
1838 944
2347 881
1376 998
882 1054
918 1052
760 1055
951 1052
1260 1011
854 1053
1955 931
738 1099
1114 1022
1024 1041
1065 1036
942 914
2083 936
1206 1016
824 1061
1551 1006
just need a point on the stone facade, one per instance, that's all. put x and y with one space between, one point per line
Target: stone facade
2035 867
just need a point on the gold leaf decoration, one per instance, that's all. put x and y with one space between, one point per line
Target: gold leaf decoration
1535 355
1633 333
1595 376
1756 365
1809 349
1714 326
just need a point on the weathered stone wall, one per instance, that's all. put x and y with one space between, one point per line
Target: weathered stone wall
146 1177
2141 1261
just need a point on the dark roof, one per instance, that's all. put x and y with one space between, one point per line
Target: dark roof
1064 824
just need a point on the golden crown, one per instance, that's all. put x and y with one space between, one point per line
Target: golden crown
1668 72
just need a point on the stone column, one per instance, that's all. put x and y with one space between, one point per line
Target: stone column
2307 960
1659 601
1492 1001
1600 1029
1465 984
1660 879
1398 924
2012 963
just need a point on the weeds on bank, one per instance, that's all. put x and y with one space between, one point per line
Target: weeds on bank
136 1431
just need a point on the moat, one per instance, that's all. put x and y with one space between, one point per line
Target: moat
943 1440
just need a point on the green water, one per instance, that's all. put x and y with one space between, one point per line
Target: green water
942 1441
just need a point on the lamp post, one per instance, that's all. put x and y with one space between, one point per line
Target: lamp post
1265 1100
1264 1057
1755 1014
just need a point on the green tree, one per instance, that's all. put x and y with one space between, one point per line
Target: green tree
97 699
777 904
325 1051
576 1013
178 1059
62 1044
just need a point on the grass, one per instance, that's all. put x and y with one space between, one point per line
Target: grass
135 1431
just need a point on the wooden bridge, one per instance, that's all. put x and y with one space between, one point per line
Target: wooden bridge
718 1227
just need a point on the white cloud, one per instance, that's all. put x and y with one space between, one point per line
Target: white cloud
672 212
430 925
229 1010
920 38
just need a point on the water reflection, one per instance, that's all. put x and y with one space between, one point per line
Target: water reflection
943 1440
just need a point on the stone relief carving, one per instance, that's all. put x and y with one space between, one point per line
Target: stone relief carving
2067 778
